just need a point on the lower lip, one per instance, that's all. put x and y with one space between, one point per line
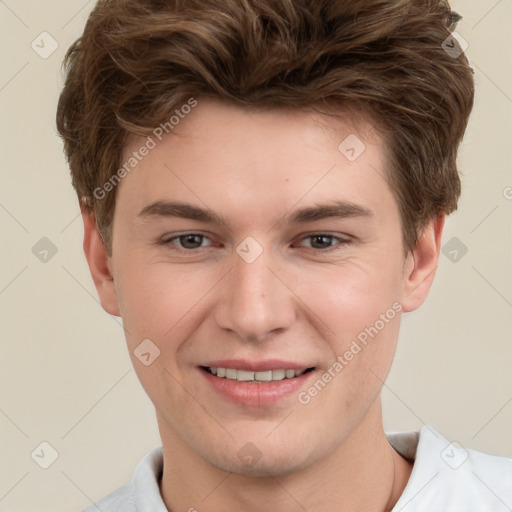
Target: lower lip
256 394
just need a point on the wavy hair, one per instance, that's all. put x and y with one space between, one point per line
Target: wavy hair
140 60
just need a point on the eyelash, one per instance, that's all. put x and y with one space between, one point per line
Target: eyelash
341 241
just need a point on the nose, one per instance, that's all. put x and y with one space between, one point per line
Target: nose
255 300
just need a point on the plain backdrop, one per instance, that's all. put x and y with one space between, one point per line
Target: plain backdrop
65 375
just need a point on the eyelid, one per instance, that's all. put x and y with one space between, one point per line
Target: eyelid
169 237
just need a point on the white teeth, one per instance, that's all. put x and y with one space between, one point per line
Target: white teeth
248 376
278 374
244 376
230 374
263 376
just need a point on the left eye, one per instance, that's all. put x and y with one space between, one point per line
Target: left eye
323 240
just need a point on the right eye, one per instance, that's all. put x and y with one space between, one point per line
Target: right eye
186 241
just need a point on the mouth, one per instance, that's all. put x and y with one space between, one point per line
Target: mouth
255 377
256 384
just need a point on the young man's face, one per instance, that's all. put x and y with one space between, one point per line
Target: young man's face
307 265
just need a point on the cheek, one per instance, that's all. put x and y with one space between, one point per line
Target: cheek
351 297
157 301
359 308
157 304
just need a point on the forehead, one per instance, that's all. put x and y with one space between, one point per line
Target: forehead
210 122
256 160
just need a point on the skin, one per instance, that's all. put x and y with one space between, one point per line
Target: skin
302 300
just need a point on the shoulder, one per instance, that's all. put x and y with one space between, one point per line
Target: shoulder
446 476
142 493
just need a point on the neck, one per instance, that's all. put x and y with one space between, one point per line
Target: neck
364 462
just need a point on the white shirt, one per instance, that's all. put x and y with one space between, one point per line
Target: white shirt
445 478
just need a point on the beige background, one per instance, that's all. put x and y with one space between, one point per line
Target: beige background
65 375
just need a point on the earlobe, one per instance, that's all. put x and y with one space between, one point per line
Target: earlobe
99 263
421 265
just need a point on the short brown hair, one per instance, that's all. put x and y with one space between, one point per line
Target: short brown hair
139 60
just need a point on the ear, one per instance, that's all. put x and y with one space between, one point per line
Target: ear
100 263
420 265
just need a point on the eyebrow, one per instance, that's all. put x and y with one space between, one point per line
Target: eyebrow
335 209
181 210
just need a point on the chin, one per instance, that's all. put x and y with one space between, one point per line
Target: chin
266 469
269 462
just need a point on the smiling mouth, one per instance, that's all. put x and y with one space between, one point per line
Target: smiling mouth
254 377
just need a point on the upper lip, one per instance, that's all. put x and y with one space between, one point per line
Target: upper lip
257 366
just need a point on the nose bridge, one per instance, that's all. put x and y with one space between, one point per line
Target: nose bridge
256 302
